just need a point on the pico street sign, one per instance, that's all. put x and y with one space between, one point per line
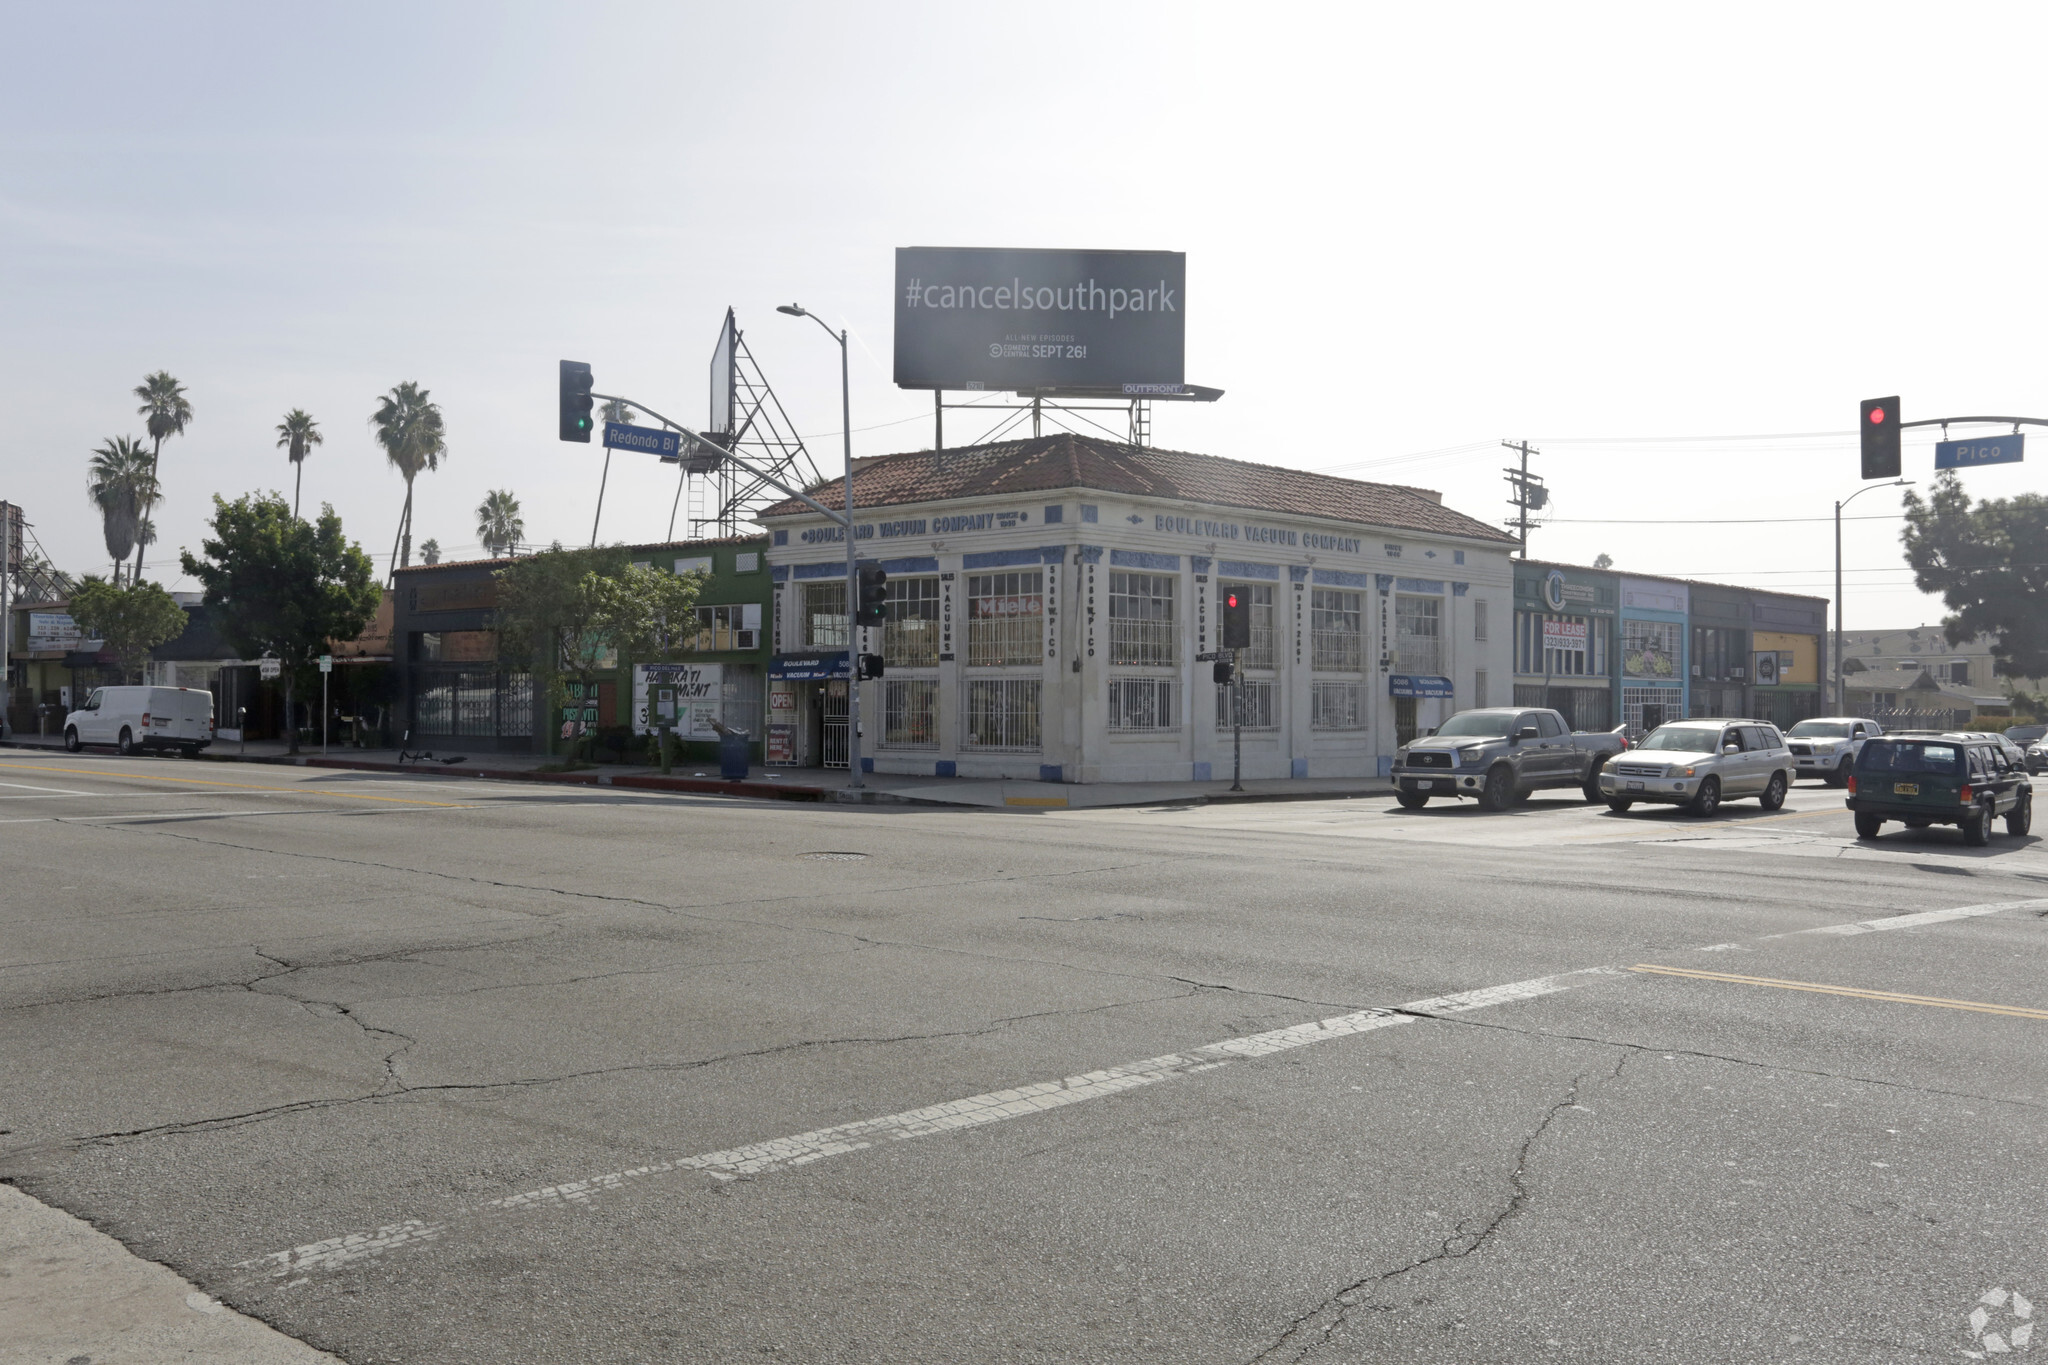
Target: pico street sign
2006 449
667 444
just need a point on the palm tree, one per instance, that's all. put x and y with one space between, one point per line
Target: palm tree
498 523
615 410
297 434
409 428
430 551
167 411
120 482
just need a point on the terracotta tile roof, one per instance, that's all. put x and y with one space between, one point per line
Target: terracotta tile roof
1046 464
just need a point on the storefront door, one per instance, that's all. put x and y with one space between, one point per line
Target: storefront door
832 715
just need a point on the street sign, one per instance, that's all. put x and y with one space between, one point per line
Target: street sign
267 669
652 440
2007 449
326 663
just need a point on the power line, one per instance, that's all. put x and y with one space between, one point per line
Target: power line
1707 521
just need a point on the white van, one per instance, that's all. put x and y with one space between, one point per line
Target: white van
133 719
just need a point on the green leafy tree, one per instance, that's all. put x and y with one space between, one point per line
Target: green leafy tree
498 523
285 587
572 614
408 426
166 410
1990 565
297 434
132 620
119 483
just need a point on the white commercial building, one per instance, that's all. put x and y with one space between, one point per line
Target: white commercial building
1049 601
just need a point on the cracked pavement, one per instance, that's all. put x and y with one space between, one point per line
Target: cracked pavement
238 1035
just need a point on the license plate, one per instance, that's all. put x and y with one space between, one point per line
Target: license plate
1905 789
1635 786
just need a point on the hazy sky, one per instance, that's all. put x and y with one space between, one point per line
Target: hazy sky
1632 234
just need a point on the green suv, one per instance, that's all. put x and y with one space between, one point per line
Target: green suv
1922 778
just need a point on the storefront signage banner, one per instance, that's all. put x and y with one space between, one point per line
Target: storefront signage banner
808 667
688 696
1418 685
55 630
1568 635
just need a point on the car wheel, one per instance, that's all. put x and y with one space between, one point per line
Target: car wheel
2021 819
1499 792
1840 776
71 744
1867 825
1707 799
1977 830
1774 795
1592 790
126 744
1412 800
1618 806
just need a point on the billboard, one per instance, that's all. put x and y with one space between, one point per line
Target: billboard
986 318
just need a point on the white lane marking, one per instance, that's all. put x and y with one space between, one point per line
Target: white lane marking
1920 919
29 787
973 1111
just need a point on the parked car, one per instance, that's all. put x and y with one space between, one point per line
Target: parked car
1699 764
1826 746
1926 777
2024 735
1501 754
134 719
2037 757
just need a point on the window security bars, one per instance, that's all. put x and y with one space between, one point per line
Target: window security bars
1141 622
1002 713
825 615
1337 631
468 702
1418 625
1337 706
910 713
910 630
1006 618
1260 711
1137 704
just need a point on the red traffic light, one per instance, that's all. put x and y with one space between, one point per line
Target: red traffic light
1877 416
1231 601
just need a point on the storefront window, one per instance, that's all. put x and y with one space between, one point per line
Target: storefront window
1002 713
824 615
1141 624
1419 641
1260 711
910 630
1578 645
910 713
1337 630
1337 706
1006 618
1142 703
727 627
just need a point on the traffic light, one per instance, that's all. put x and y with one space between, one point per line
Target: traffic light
873 605
1221 672
1237 619
1880 430
870 667
576 401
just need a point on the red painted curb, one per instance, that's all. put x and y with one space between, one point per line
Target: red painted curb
699 784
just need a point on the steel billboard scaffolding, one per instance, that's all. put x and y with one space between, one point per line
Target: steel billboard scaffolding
748 420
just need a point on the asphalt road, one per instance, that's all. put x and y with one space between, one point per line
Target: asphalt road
426 1070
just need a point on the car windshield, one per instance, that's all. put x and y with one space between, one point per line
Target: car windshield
1820 729
1489 724
1907 756
1691 739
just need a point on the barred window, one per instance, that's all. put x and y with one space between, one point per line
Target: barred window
910 713
1002 713
1337 706
1006 617
825 614
1141 625
1259 597
1418 623
473 703
1260 708
910 628
1142 703
1479 614
1337 630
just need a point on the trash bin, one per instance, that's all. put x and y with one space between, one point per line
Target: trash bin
732 754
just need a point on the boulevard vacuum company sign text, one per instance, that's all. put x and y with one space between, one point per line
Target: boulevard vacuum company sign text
981 318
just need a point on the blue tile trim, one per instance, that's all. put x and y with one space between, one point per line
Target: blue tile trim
1088 512
945 767
1144 559
997 559
1238 568
1419 584
779 572
820 570
1200 563
1344 578
1200 773
1297 573
1091 554
867 765
1299 768
914 564
1055 514
1458 589
1383 581
781 538
1051 772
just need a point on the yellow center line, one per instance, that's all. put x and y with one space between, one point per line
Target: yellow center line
1888 997
243 786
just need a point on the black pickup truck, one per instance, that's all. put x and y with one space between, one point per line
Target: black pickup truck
1500 755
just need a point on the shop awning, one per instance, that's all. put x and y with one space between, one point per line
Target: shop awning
808 667
1418 685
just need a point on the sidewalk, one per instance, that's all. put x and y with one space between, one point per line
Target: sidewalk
800 784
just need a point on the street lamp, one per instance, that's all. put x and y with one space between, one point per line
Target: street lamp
1842 678
796 310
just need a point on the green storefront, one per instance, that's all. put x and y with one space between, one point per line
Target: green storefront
1565 657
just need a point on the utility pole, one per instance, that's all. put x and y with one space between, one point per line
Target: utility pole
1530 494
10 553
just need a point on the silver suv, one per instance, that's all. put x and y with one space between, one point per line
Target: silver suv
1699 764
1826 746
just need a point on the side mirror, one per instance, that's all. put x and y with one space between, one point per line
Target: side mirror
1429 733
1731 748
1526 732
